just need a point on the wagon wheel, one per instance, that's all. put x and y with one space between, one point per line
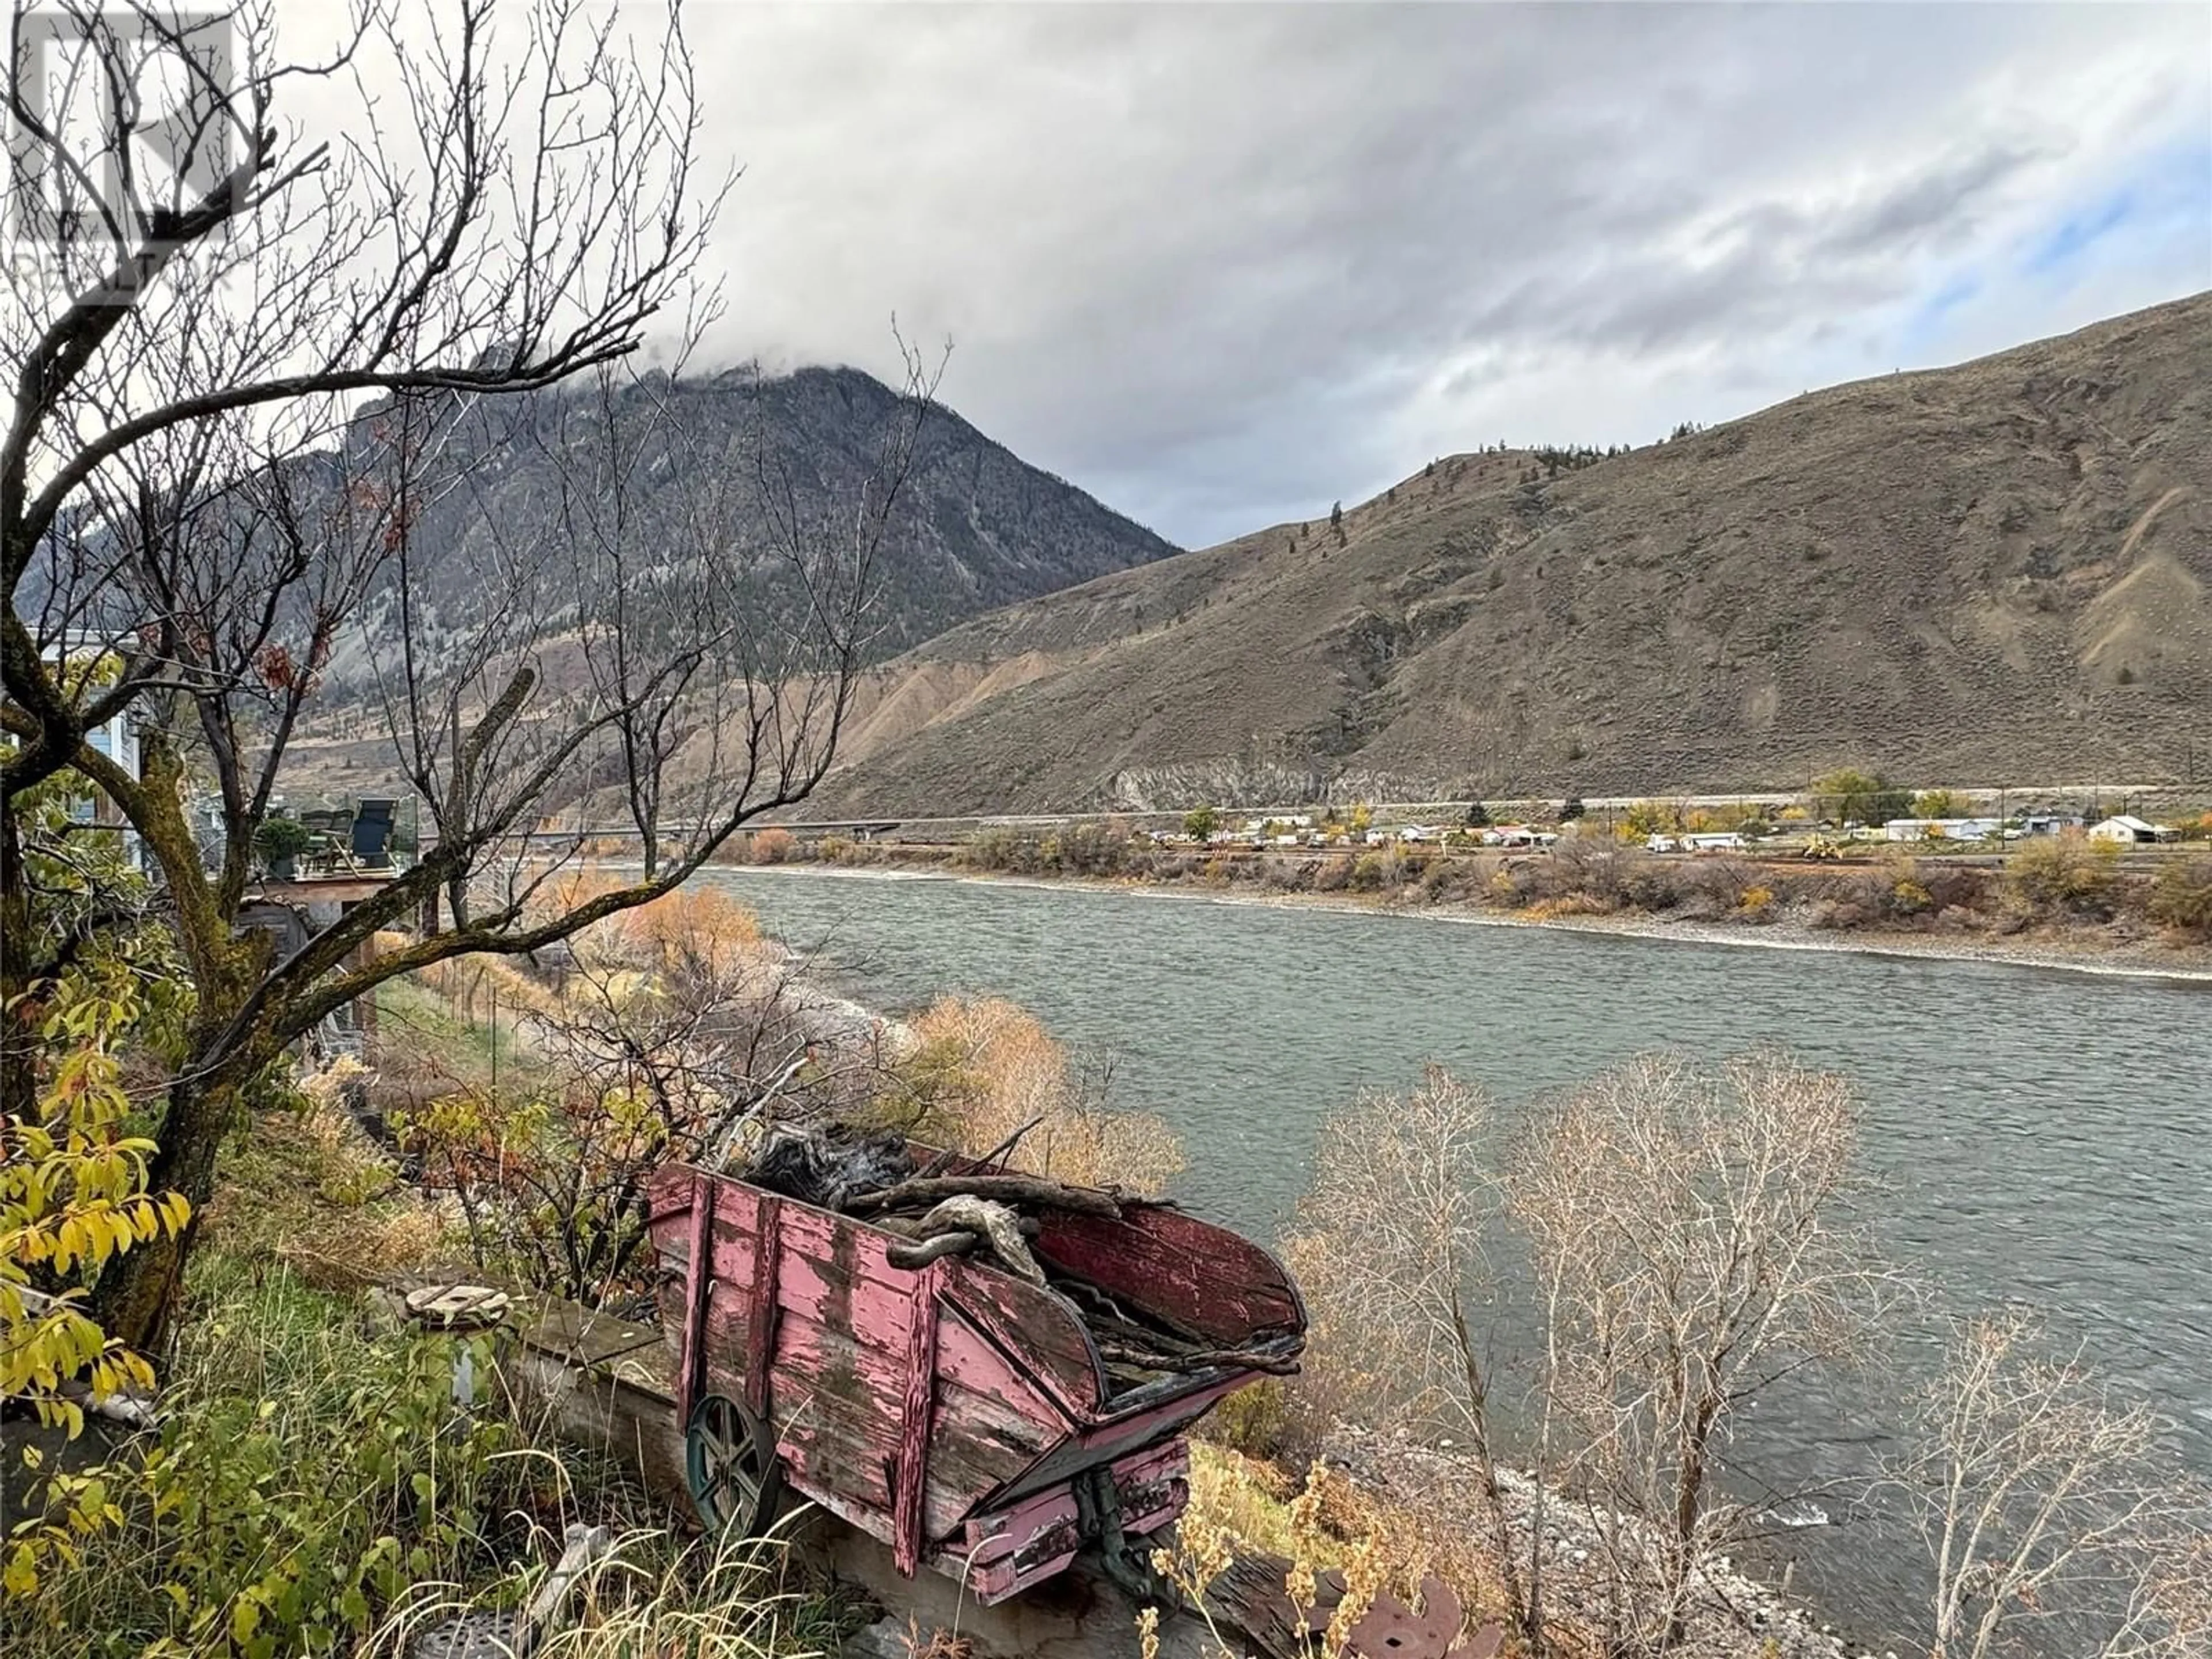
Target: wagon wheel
731 1466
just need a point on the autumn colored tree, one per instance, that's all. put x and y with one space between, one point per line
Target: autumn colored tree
982 1072
1852 796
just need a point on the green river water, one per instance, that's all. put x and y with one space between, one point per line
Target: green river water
2034 1136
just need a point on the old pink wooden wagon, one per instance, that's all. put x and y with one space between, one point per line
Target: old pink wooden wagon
961 1415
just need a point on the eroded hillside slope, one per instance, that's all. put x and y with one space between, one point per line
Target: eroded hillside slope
2000 572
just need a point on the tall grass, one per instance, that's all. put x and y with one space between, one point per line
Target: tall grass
654 1596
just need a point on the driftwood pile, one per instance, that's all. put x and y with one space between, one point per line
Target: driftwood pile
993 1214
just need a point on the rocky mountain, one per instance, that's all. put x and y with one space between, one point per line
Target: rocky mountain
1993 573
974 526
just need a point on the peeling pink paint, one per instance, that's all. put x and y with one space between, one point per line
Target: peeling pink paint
946 1411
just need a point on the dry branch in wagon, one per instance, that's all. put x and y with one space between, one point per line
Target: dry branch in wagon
986 1415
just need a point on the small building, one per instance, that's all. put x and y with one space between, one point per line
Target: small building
1940 829
2128 829
1716 841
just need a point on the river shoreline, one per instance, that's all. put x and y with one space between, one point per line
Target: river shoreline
1736 1611
2012 1124
2076 951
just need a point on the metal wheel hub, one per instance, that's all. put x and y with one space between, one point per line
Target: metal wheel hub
731 1467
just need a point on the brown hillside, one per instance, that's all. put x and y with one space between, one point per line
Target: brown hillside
1998 573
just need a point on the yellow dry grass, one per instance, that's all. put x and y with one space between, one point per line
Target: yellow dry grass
980 1070
308 1188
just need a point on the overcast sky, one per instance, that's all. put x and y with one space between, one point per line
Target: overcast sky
1223 265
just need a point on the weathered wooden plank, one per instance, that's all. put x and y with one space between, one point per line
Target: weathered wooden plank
917 1411
698 1288
575 1333
1196 1276
761 1311
1118 1438
833 1260
836 1393
837 1416
1038 1330
1153 1487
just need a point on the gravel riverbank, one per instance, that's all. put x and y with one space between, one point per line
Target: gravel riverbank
1733 1615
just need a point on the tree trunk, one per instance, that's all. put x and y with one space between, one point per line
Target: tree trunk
1689 1505
1527 1612
138 1291
18 1047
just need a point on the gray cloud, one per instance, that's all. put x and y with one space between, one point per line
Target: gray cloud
1223 265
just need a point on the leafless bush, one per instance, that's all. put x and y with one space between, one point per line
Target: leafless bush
1593 864
773 845
676 1033
1388 1249
2044 1503
1689 1252
1716 886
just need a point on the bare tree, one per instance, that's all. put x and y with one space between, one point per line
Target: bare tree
1690 1254
1388 1247
674 1033
2048 1511
198 515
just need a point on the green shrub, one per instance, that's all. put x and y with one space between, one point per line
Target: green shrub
279 838
2064 874
306 1473
2182 898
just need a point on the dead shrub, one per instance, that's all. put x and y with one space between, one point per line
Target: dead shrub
1593 865
311 1190
980 1071
1446 879
1714 886
1388 1251
1954 886
771 845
